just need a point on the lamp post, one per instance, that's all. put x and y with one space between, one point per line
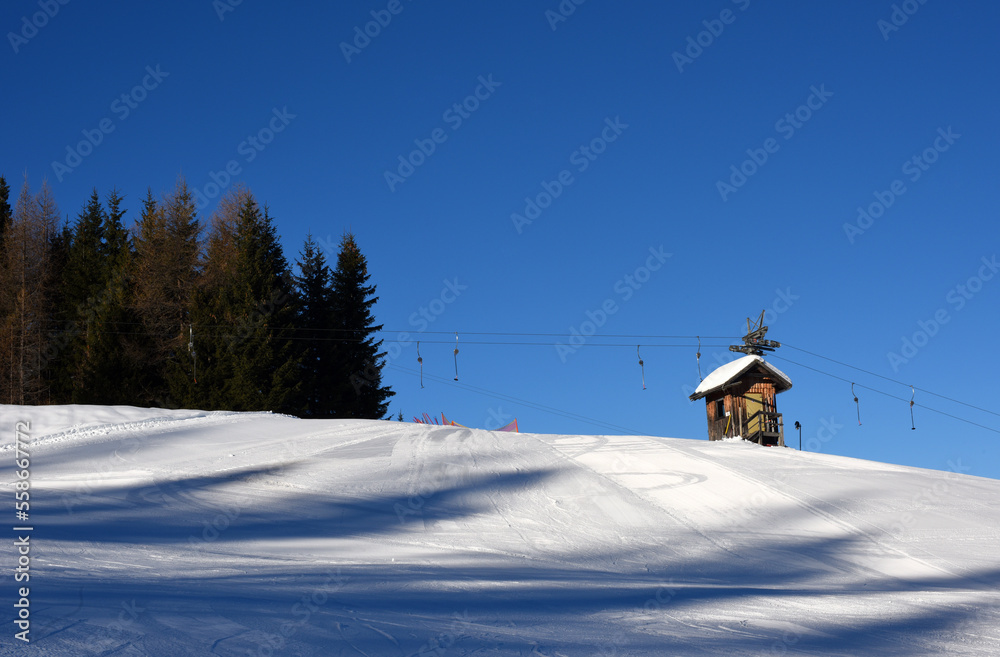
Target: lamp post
799 427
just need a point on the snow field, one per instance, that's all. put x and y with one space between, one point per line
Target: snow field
192 533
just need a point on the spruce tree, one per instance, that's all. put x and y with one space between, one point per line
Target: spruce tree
113 371
84 273
243 323
202 376
117 247
82 279
360 393
316 316
267 362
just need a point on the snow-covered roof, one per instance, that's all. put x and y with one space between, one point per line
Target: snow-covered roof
735 369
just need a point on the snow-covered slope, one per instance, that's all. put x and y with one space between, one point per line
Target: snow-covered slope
189 533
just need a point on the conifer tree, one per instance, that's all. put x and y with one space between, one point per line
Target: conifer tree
183 235
82 278
267 363
58 383
148 237
94 313
204 378
246 359
166 269
220 261
320 369
84 273
49 271
7 296
27 281
113 371
117 245
360 393
5 214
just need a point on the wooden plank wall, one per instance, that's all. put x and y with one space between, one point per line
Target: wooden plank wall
735 403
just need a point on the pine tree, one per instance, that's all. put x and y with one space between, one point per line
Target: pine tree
316 316
360 393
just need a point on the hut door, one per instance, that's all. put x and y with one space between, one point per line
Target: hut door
755 403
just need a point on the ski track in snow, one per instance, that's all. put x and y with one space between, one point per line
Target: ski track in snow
845 523
190 533
839 522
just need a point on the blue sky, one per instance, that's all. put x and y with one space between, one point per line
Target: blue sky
697 163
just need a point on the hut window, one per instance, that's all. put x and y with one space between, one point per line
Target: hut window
720 408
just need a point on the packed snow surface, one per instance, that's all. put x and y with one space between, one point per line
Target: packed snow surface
190 533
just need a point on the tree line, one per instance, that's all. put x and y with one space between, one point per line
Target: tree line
176 313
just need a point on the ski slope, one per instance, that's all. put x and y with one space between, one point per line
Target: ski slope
191 533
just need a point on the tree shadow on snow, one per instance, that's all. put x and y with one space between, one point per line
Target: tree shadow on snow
760 594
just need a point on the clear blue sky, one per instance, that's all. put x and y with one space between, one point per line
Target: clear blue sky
839 98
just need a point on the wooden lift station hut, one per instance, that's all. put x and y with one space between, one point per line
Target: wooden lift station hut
740 396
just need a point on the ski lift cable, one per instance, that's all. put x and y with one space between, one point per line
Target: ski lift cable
530 404
477 342
591 343
890 395
480 333
890 379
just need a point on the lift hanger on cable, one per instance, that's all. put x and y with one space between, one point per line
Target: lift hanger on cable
642 366
856 403
420 361
697 357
